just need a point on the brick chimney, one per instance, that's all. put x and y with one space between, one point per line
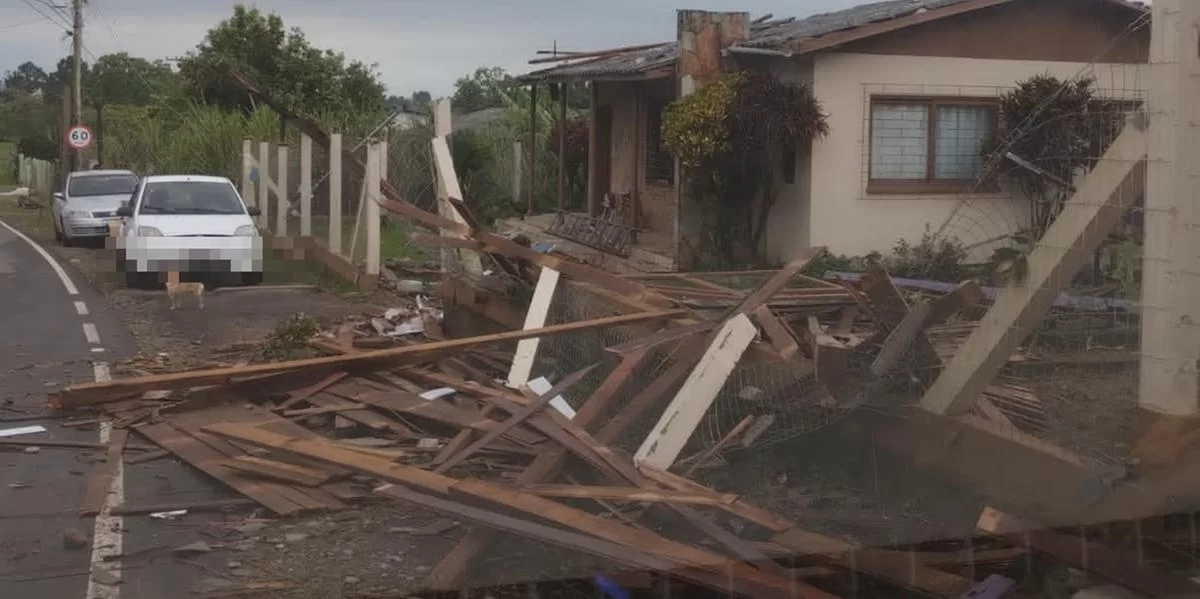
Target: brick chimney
701 36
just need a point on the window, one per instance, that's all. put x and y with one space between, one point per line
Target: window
101 185
928 145
190 197
660 165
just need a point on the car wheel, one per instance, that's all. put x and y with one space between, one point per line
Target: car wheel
252 278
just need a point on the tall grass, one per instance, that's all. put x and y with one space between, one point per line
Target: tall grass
201 139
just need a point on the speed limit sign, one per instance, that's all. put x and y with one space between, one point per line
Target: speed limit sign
79 137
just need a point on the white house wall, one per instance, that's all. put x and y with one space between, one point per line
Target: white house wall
829 205
787 229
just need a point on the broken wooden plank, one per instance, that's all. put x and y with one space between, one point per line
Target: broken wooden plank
767 519
589 544
435 410
778 332
101 480
893 566
716 448
662 446
356 412
516 419
99 392
300 395
217 505
535 318
1122 568
900 339
446 572
831 358
493 493
279 471
1117 180
628 494
778 281
208 461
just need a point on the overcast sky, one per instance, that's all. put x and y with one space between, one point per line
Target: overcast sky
417 44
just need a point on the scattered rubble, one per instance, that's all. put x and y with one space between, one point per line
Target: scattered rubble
73 538
387 409
394 410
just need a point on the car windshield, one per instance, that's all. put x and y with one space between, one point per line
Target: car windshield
101 185
191 197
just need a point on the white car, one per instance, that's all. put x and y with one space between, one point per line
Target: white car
196 225
88 201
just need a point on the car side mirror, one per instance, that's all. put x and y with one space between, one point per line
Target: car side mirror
124 211
253 211
58 195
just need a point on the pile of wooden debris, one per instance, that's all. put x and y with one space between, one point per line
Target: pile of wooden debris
457 426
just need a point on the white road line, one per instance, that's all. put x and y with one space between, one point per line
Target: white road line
89 331
58 270
97 350
106 535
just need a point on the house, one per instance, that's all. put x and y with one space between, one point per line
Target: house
405 119
911 90
478 119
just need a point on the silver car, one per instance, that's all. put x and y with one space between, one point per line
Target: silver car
89 201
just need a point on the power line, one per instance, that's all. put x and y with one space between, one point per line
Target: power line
25 24
61 21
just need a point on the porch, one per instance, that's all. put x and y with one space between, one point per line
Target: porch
629 220
647 251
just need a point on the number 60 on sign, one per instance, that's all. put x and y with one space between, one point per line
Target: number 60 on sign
79 137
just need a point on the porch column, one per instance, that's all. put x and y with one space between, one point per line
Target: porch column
532 148
562 146
593 186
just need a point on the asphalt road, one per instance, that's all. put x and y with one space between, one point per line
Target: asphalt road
57 330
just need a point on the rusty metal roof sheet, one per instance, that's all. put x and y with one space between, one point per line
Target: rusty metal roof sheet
780 34
789 34
626 63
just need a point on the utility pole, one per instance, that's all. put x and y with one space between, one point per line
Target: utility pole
77 68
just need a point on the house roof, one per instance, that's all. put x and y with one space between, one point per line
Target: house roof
785 36
479 118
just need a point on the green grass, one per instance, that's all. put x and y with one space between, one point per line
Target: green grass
36 223
395 241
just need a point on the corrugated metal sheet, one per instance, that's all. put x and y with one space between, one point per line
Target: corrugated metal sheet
850 18
628 63
771 35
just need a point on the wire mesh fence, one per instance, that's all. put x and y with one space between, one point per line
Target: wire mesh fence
1054 219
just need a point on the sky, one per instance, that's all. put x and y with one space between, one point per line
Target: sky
416 44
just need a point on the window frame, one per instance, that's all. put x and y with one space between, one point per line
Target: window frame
930 185
656 153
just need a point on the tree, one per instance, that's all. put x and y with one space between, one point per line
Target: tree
124 79
732 136
282 62
27 77
61 79
24 115
482 89
1060 127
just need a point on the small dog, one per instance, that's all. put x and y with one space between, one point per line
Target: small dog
176 290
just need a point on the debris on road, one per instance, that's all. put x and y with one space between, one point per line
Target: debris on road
658 383
73 538
22 430
397 407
